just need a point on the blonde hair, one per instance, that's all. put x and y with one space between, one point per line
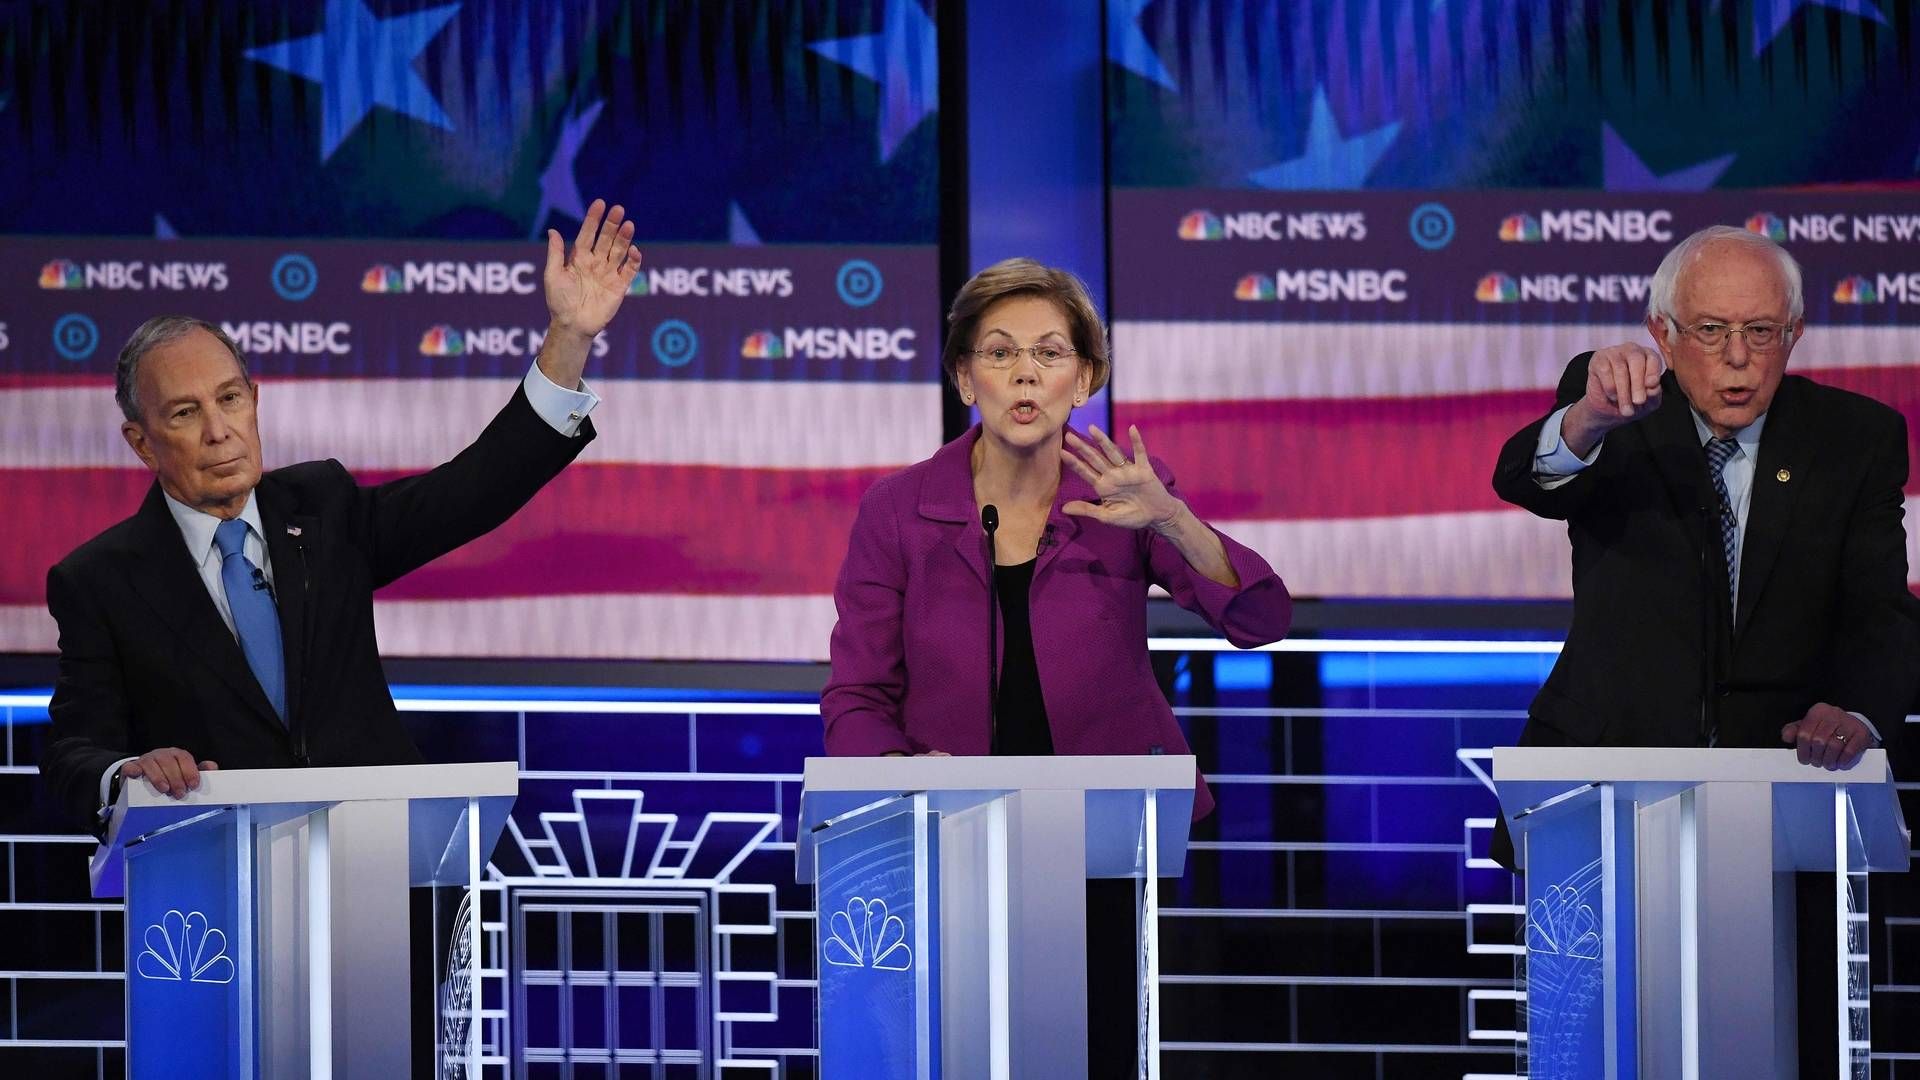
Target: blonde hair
1025 277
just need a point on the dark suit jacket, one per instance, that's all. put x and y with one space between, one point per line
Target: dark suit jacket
146 662
1823 613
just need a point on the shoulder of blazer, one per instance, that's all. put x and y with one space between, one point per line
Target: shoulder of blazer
1830 408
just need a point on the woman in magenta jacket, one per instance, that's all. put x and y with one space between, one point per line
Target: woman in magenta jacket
1084 528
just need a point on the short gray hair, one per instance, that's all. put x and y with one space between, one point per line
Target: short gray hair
1666 280
155 332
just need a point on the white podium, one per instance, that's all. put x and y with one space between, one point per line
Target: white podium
267 916
951 904
1661 921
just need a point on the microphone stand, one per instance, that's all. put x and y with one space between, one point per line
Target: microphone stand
990 521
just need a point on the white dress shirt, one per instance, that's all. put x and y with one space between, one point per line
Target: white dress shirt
562 409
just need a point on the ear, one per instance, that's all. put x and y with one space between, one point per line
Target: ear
136 437
1083 382
963 380
1657 328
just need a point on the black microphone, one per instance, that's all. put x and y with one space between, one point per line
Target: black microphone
261 584
1046 538
990 521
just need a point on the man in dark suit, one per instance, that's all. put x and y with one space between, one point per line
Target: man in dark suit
229 622
1739 565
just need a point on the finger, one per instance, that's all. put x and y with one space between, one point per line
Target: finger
1082 508
936 753
1637 378
1836 749
610 241
1139 444
1091 458
589 229
189 770
1791 733
1080 468
556 251
1107 449
1856 746
1656 367
1619 392
631 267
1803 744
209 766
163 772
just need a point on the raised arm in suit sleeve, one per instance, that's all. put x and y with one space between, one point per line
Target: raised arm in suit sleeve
408 523
89 708
1256 612
868 681
1876 658
1515 478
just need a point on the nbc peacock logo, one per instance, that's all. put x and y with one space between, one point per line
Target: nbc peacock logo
1254 287
1497 288
442 340
62 274
763 345
1201 225
1855 290
382 279
1520 229
1769 226
640 285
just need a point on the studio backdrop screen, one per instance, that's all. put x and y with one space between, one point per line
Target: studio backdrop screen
358 192
1355 244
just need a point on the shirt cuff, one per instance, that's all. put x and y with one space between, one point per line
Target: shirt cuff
106 779
1874 731
1553 463
561 408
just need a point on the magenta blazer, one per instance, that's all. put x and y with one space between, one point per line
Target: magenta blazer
909 649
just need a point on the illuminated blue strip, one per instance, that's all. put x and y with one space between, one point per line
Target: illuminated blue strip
1358 671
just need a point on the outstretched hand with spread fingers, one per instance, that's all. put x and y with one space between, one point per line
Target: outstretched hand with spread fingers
1131 495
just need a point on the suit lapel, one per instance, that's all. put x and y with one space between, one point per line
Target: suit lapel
163 573
1784 451
947 495
289 538
1677 455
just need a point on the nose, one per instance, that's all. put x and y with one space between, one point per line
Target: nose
1737 354
217 429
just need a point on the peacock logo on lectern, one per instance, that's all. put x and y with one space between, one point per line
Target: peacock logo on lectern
185 948
865 935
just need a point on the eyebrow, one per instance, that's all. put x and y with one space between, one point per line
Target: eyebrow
1010 337
188 399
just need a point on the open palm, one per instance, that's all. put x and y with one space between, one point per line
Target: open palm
1131 494
584 292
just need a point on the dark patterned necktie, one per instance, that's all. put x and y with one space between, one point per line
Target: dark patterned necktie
1719 452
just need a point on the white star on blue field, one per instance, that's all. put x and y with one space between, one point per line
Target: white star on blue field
904 58
1328 161
361 60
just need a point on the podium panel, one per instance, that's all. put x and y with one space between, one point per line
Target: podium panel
189 925
980 866
1663 893
267 917
877 892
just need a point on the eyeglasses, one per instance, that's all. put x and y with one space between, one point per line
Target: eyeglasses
1046 355
1760 336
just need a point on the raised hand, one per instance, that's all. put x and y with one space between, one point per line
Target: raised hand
1623 385
584 291
1131 496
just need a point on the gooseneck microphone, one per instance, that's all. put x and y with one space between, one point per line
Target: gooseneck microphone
990 521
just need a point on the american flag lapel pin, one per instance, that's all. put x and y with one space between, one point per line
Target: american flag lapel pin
293 530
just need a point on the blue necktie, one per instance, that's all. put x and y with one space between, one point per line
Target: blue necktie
255 618
1719 452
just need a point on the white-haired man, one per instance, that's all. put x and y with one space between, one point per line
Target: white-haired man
1739 564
